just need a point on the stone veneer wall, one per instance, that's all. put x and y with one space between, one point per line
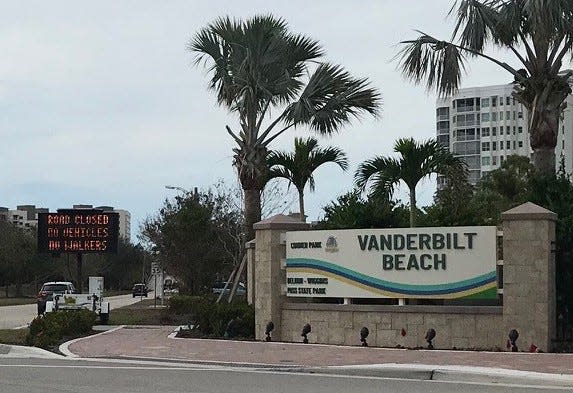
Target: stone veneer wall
528 306
459 327
529 275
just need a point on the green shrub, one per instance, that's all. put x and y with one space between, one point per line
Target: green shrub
49 329
212 318
182 304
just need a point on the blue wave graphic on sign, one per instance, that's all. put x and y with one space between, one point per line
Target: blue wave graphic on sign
438 289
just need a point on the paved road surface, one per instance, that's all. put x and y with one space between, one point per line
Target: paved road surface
16 316
41 376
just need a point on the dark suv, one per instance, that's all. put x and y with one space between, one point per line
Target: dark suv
139 290
50 289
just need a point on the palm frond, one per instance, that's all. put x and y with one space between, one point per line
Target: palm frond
548 18
416 160
380 174
475 22
303 49
280 172
439 63
331 98
335 155
306 158
253 63
510 23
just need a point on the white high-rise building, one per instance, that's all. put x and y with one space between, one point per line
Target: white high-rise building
124 218
484 125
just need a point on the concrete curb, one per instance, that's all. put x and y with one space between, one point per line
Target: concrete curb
426 372
64 348
22 352
266 366
449 374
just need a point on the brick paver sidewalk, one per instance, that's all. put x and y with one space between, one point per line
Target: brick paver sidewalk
153 342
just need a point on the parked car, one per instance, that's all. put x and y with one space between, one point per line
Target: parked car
50 289
171 291
220 285
139 290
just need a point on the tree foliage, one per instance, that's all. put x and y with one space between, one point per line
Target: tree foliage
353 211
415 161
537 32
194 237
258 68
17 255
298 167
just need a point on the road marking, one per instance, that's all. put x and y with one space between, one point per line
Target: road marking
96 367
243 370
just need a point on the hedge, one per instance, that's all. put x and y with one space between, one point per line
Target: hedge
216 319
48 330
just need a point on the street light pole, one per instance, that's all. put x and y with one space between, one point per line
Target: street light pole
177 188
183 190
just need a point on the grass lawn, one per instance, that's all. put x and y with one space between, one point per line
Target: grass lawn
116 293
13 337
143 313
15 301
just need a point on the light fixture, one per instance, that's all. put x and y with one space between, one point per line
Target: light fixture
430 335
269 329
363 334
513 336
306 329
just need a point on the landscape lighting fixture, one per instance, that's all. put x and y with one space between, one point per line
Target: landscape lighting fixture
363 334
513 335
430 335
269 329
305 330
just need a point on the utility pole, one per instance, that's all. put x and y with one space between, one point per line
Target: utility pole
79 263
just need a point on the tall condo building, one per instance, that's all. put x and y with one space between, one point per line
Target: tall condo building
124 218
484 125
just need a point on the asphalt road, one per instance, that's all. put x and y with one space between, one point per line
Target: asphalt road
41 376
17 316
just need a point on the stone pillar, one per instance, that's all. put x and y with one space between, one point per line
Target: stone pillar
270 275
250 246
529 275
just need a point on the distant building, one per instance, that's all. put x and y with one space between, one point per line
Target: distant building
124 218
26 216
484 125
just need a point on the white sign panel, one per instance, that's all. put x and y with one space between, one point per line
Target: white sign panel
441 263
155 268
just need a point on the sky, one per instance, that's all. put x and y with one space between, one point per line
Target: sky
101 103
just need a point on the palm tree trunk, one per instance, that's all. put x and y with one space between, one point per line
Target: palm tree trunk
252 211
543 133
412 207
544 160
301 205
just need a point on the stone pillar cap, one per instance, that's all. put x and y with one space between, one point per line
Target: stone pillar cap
280 221
528 211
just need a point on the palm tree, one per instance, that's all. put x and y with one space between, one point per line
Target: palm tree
256 66
537 32
417 160
298 167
